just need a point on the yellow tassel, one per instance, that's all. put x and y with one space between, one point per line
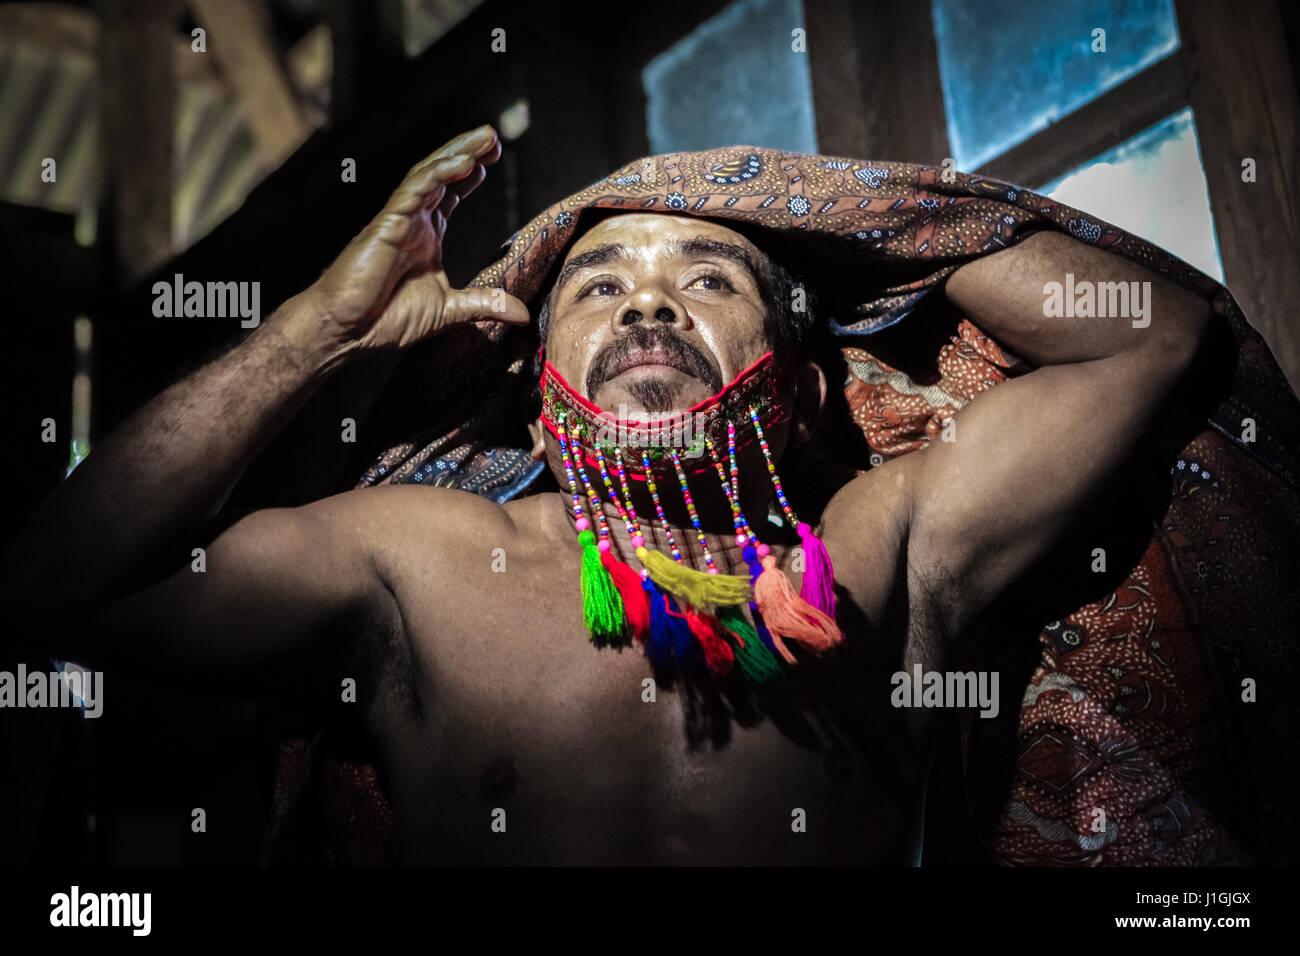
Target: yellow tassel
695 587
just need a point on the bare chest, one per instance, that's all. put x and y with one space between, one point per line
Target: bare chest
524 743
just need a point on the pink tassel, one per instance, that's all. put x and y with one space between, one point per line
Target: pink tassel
790 616
628 583
818 587
717 652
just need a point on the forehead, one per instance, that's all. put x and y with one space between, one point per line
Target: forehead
652 232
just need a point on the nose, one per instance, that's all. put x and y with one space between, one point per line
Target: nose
652 300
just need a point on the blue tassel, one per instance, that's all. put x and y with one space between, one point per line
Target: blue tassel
670 634
685 648
660 646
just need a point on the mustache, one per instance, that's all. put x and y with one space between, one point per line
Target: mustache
678 352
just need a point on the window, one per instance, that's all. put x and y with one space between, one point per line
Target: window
735 79
1010 68
1152 185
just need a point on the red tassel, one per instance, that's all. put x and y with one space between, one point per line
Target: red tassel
717 652
788 615
629 587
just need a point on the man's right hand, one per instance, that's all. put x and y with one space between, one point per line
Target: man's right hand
107 567
387 288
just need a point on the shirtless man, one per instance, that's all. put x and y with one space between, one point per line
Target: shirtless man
480 690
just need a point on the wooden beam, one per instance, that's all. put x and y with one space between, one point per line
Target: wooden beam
897 42
1138 103
872 66
237 36
74 31
363 49
628 53
1241 85
570 106
833 62
54 26
136 136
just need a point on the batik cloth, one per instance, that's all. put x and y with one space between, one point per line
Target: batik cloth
1132 743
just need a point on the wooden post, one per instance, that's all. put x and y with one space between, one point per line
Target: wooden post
239 39
1242 90
136 103
872 66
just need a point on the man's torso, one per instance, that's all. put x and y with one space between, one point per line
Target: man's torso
505 736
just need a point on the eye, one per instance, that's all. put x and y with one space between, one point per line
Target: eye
601 287
713 282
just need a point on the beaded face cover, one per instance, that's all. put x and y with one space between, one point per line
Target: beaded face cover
685 618
760 387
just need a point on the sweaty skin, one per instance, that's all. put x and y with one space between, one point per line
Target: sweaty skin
477 685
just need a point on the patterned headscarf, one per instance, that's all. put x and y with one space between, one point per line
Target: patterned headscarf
1128 703
872 239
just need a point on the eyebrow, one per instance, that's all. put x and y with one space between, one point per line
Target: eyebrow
589 260
700 247
693 248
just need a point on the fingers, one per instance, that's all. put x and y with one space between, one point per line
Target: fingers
479 143
447 170
461 188
464 305
492 155
427 187
457 167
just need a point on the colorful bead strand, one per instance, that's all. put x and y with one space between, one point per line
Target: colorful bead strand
603 611
737 517
659 508
592 497
771 468
623 512
753 653
696 588
690 509
563 436
808 616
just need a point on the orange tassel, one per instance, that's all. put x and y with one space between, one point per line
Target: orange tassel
790 616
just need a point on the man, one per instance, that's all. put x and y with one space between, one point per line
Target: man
502 733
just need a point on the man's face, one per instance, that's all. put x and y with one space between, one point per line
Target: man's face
655 312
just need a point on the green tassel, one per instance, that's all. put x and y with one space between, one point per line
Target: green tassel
602 607
755 661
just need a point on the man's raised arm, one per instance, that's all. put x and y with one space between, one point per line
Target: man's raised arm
1029 454
113 544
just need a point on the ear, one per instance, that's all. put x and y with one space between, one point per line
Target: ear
809 400
537 432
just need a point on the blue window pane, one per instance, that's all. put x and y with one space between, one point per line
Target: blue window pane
1153 185
733 80
1013 67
